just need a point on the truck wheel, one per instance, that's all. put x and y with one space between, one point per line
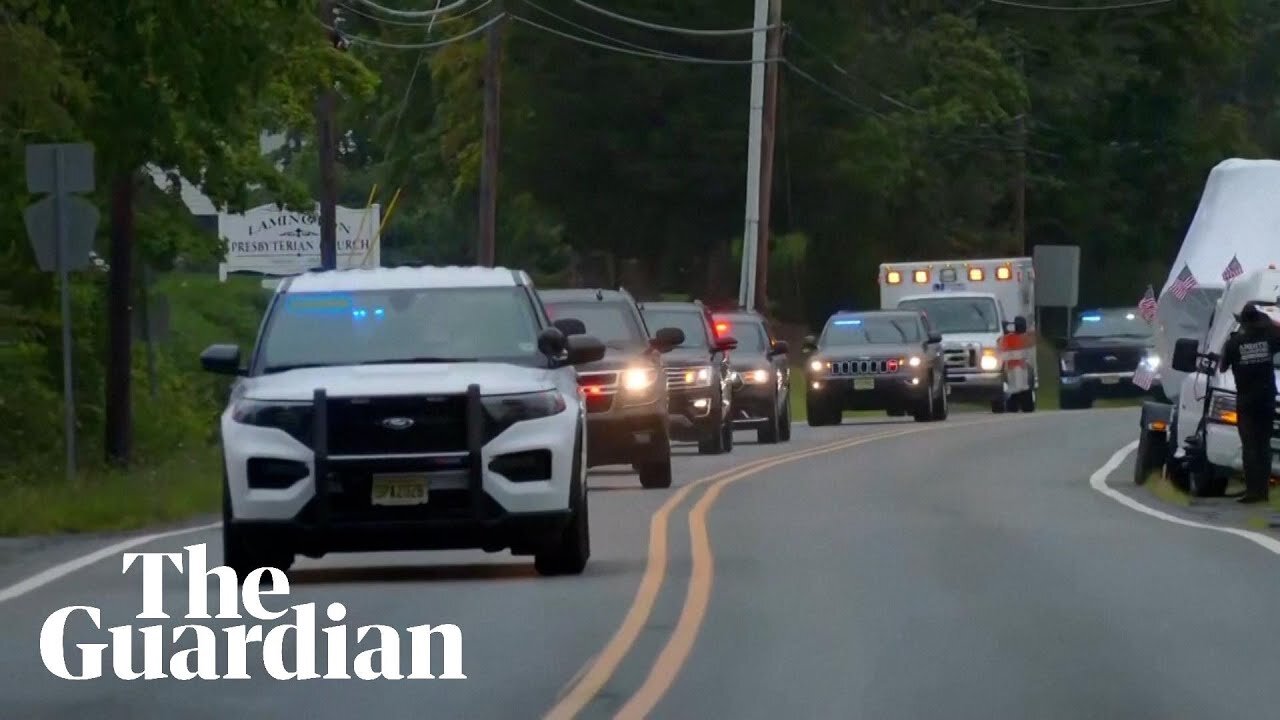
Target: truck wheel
656 474
998 406
241 550
726 436
941 407
1149 455
568 554
784 425
925 410
1208 481
1027 401
713 442
769 433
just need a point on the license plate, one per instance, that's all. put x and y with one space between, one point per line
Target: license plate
1110 380
864 384
406 489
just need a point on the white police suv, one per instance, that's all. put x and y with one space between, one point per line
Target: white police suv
409 408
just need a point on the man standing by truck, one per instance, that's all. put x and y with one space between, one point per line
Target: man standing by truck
1249 354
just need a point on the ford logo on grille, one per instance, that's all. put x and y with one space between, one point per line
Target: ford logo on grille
1111 358
397 423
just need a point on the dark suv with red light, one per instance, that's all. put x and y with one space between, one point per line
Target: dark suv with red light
763 402
626 390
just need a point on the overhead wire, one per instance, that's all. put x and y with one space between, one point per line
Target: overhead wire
423 46
592 31
1080 8
824 87
830 61
639 51
668 28
413 13
433 20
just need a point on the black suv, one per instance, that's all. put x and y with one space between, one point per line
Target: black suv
1106 347
699 380
626 390
763 403
876 360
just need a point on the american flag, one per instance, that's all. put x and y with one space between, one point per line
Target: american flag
1143 376
1147 305
1232 270
1185 283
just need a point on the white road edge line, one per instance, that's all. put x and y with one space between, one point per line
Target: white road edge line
61 570
1099 482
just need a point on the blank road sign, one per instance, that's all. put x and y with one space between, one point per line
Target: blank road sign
82 226
77 168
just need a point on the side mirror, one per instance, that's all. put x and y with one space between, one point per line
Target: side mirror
583 349
1186 353
667 339
810 344
727 343
934 338
221 359
552 342
779 348
1020 324
570 326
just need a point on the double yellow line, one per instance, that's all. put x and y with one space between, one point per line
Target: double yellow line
673 655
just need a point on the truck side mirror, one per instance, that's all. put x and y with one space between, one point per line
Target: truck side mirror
934 338
1020 324
1186 353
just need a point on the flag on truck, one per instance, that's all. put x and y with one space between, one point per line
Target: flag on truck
1233 269
1144 376
1185 283
1147 305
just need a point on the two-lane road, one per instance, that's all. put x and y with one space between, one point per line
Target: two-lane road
952 570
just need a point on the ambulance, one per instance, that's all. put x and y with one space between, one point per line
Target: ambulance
975 305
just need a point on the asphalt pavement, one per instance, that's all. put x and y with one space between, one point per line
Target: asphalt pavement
964 569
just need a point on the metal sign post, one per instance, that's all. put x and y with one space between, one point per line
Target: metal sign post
61 228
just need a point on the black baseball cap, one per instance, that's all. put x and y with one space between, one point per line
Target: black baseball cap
1250 311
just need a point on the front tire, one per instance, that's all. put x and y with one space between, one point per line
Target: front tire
655 475
1149 456
784 426
241 553
569 553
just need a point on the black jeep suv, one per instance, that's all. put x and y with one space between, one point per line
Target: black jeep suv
763 403
876 360
626 390
699 381
1106 348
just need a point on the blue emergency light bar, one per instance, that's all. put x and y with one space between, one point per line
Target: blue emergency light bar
1091 318
847 322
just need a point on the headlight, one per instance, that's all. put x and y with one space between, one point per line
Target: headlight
1223 407
638 380
817 365
1068 361
1152 361
914 361
507 410
757 377
989 361
293 418
698 377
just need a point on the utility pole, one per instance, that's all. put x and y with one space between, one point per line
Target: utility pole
486 247
327 142
770 123
755 131
1020 187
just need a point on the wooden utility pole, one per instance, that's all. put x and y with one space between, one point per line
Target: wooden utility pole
486 250
768 138
327 143
1020 182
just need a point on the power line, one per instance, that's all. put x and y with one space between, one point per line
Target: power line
426 46
840 69
413 13
597 33
832 91
1081 8
416 23
667 28
413 77
641 51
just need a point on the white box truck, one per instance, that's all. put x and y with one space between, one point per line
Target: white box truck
1193 437
972 304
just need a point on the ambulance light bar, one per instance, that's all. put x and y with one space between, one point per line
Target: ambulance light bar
1004 272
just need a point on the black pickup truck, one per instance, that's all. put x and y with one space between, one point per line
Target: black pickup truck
1106 348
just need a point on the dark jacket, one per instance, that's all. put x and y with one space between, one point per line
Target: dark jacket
1249 353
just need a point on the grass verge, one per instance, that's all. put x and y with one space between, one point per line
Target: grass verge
178 487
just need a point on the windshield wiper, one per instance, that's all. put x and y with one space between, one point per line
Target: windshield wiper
415 360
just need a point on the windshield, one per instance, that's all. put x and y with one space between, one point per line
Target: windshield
750 336
320 329
871 330
689 321
611 323
1111 323
957 314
